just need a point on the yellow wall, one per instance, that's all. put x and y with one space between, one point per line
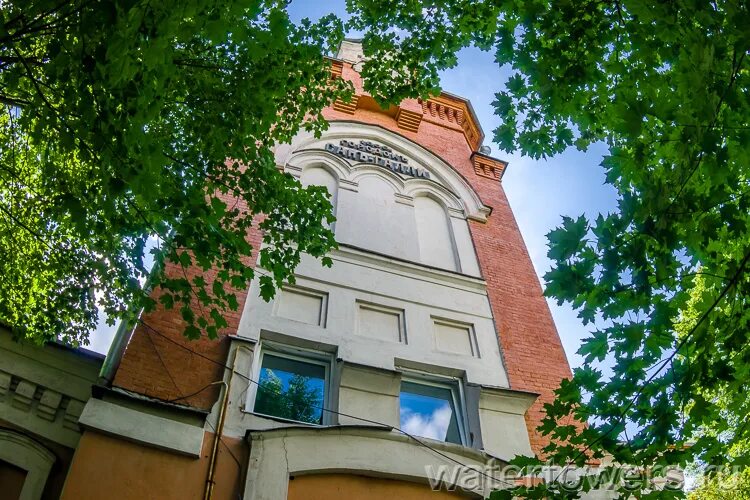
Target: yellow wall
111 468
351 487
115 469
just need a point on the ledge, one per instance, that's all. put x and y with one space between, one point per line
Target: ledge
276 455
488 166
351 253
139 427
369 431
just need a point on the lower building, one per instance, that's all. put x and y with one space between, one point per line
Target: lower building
43 391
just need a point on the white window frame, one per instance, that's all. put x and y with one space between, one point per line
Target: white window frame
455 385
302 355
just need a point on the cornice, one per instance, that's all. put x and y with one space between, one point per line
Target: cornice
446 110
487 166
452 111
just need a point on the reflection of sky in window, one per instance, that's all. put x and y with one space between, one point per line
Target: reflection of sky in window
284 369
427 411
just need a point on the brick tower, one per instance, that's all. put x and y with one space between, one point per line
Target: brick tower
427 345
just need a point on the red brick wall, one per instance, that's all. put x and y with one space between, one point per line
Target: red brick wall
532 351
159 368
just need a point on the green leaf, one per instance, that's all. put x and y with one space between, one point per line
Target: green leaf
595 348
267 288
566 241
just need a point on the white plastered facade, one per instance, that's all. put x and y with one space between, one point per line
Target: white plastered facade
383 311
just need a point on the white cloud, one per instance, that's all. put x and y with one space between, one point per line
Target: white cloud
434 426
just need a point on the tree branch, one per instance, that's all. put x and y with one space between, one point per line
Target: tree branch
20 223
735 72
13 101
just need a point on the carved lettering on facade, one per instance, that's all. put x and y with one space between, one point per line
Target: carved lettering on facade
377 154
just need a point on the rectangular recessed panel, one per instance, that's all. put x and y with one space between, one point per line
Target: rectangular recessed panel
380 323
302 305
455 338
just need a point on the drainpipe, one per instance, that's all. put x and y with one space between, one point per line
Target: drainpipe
122 336
209 491
115 353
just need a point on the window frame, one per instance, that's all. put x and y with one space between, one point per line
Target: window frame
298 354
29 455
455 386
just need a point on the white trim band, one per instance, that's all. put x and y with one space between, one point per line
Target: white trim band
143 428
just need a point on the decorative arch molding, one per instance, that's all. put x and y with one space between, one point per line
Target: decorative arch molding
419 187
362 170
316 158
446 184
29 455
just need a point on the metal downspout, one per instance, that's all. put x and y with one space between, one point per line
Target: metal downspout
122 337
209 491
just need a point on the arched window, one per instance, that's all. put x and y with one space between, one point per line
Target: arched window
415 218
319 176
25 464
436 242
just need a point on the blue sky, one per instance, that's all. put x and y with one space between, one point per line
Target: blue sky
540 192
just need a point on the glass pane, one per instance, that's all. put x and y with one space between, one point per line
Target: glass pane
428 411
291 389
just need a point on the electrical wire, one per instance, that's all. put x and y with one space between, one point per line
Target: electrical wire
166 369
322 408
188 396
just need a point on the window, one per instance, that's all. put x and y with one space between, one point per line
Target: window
432 410
293 385
24 465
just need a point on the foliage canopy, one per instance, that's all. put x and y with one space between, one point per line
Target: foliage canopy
664 280
723 487
119 120
124 131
